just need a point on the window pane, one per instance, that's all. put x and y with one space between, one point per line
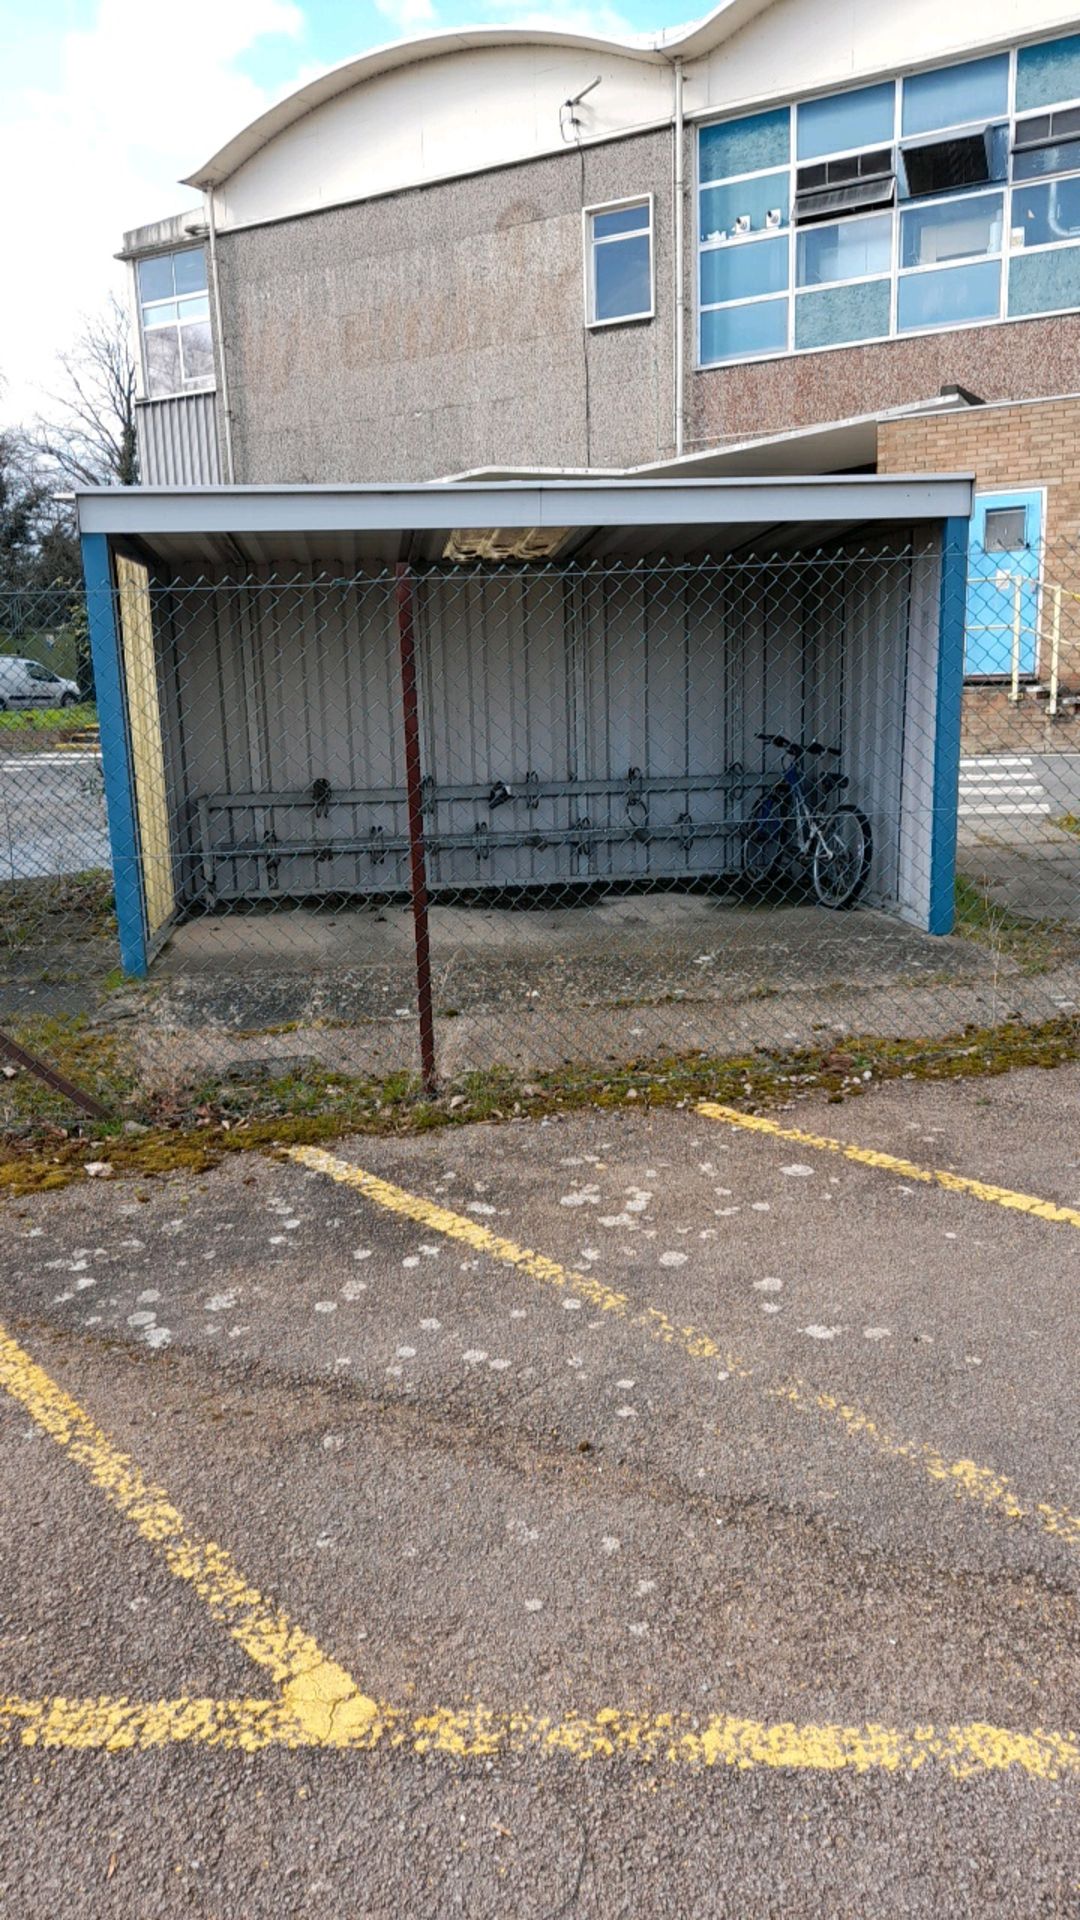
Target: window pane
978 90
1041 215
197 307
743 269
850 250
1056 159
198 354
949 298
738 333
163 361
745 146
721 206
842 313
163 315
190 270
621 281
1006 529
1044 282
1048 73
156 278
952 230
860 119
620 220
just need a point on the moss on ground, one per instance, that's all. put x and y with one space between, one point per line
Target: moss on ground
195 1131
58 911
1033 946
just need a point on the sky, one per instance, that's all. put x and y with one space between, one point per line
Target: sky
105 104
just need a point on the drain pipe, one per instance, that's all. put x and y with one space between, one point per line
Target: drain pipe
226 415
678 223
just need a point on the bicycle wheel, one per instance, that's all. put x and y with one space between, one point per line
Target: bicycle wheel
763 845
842 857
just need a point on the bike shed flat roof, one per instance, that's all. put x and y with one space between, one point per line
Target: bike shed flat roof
379 525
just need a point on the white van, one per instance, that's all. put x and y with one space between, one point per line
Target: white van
23 683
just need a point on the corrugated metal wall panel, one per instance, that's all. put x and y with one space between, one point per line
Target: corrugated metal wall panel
178 444
620 711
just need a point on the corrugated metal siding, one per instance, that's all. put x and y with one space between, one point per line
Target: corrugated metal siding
178 441
621 713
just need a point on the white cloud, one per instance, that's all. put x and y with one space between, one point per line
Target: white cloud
408 16
140 98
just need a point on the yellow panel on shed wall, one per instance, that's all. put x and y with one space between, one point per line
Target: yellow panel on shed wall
144 726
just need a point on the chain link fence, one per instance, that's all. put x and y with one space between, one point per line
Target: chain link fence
626 816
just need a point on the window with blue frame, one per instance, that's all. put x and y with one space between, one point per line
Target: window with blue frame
947 198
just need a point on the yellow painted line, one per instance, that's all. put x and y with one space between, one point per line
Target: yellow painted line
457 1226
315 1691
989 1490
477 1732
993 1491
890 1163
320 1706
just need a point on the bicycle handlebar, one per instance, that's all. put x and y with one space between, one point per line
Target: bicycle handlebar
797 746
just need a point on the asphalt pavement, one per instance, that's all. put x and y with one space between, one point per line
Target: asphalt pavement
636 1514
52 813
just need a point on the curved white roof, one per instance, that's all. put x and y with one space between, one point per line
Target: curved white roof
698 37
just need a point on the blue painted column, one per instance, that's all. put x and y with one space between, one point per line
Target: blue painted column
950 694
115 753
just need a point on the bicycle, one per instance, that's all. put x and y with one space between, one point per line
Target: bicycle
794 825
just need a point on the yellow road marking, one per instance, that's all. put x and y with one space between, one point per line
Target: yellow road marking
990 1490
659 1740
315 1691
319 1705
456 1226
962 1477
890 1163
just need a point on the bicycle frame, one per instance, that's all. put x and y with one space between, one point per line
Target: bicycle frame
802 823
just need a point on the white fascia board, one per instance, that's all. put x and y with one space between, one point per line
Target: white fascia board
803 500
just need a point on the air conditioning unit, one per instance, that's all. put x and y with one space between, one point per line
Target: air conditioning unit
742 223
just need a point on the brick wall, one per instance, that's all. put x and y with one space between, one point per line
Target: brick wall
1034 445
1009 448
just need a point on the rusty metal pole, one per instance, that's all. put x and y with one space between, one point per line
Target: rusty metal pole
29 1062
417 857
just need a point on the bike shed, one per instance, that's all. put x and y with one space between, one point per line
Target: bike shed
341 693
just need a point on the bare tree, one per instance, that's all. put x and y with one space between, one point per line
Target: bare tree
91 440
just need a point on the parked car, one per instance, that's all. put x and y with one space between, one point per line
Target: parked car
24 683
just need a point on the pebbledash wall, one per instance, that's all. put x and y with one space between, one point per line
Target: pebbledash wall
440 329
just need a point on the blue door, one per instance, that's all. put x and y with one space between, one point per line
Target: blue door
1004 548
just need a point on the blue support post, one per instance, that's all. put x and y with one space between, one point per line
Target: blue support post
950 694
115 754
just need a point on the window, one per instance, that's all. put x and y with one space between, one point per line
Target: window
954 96
846 250
941 165
174 309
951 230
1047 143
618 265
849 185
1005 529
1046 215
745 206
945 198
951 297
744 270
845 121
744 333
